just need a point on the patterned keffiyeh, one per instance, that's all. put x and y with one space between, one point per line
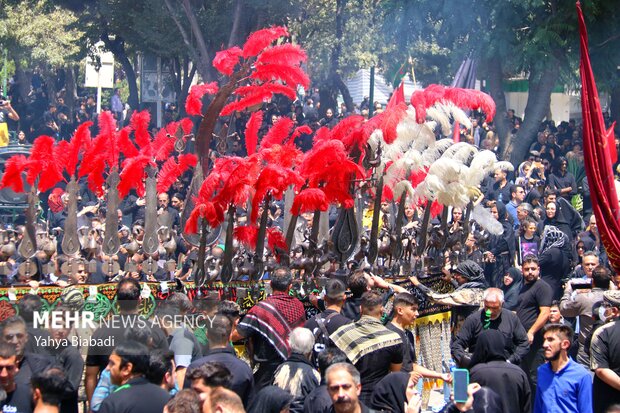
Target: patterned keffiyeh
363 337
274 319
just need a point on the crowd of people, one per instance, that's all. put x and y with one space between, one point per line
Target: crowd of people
534 309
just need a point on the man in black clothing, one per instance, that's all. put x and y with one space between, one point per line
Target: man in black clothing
405 314
49 388
492 317
533 311
18 395
128 365
605 355
325 323
28 306
369 345
218 335
128 299
489 368
319 401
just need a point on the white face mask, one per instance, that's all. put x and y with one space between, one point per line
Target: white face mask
601 313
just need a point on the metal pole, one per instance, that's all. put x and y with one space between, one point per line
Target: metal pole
371 95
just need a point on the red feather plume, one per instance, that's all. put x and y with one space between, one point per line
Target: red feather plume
285 156
285 54
193 103
132 174
391 119
13 170
124 143
472 99
309 200
79 143
292 75
262 89
43 164
251 131
210 211
247 235
226 60
278 133
276 180
254 99
140 125
260 39
302 130
276 241
436 209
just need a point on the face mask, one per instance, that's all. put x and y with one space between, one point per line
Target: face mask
601 314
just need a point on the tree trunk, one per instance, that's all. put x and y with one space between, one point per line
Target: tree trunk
71 89
235 30
495 76
538 100
23 80
50 83
117 47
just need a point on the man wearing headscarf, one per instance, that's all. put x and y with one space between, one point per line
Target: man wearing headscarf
489 368
491 317
467 296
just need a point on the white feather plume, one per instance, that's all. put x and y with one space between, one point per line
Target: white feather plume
480 167
437 113
433 152
458 115
402 187
397 171
504 166
487 221
375 139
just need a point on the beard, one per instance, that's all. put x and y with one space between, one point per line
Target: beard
554 356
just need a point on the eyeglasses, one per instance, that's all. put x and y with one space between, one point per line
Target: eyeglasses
10 337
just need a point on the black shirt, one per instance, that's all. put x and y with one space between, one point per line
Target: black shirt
138 395
18 401
507 380
409 357
332 324
605 354
516 342
531 298
318 401
242 379
375 366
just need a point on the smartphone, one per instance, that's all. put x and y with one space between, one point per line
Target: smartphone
582 285
460 381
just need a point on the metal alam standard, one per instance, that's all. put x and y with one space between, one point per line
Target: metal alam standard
400 156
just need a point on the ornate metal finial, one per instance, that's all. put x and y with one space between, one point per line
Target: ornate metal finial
111 242
70 239
150 243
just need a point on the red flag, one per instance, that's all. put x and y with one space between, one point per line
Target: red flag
398 96
598 150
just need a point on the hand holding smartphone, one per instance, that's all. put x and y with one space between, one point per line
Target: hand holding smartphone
460 381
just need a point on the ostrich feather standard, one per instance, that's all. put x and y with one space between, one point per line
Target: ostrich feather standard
486 220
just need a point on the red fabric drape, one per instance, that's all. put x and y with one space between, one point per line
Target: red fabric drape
599 151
